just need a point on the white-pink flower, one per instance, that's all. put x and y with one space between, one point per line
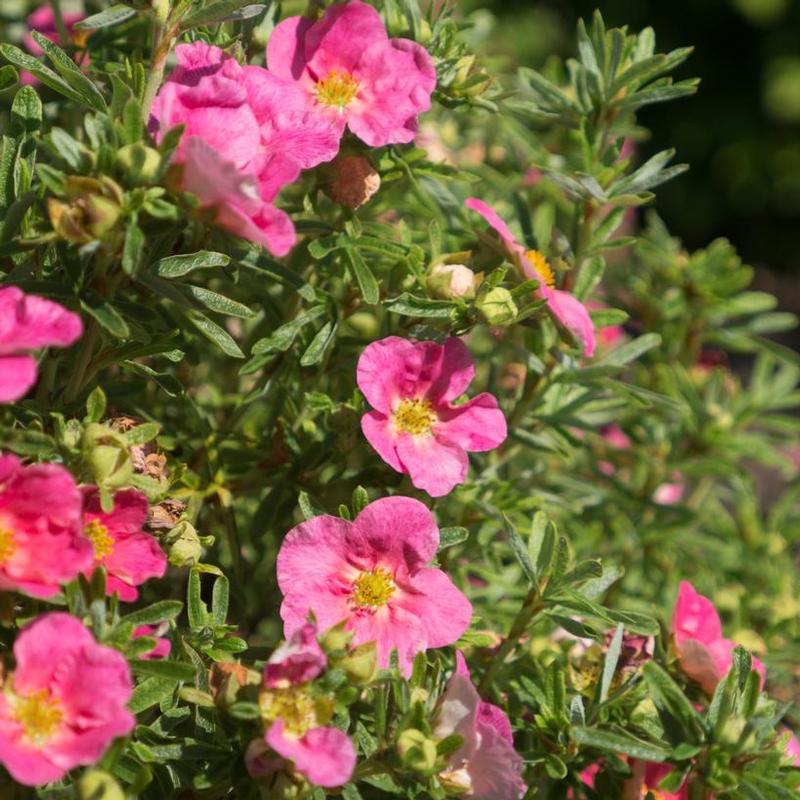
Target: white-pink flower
414 426
373 573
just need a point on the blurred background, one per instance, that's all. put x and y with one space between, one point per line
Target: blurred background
740 133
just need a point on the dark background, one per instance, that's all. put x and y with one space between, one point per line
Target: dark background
740 133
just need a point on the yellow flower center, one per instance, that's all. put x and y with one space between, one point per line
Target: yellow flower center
541 265
7 544
373 589
296 707
39 713
101 539
414 416
337 89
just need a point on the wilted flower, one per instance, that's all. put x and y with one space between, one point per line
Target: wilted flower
64 703
704 654
129 555
92 208
414 427
352 181
373 573
41 536
351 73
486 766
29 322
568 310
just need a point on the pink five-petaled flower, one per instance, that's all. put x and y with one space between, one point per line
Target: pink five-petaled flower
225 162
704 654
64 703
568 310
373 573
129 555
486 766
41 536
297 720
350 72
414 426
29 322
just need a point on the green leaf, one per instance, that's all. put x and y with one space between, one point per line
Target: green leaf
610 663
150 692
315 352
153 614
217 302
133 249
668 698
214 333
178 266
632 350
49 78
103 312
219 600
196 608
106 18
168 670
95 405
141 434
370 290
222 11
450 537
520 551
26 112
8 77
411 306
619 742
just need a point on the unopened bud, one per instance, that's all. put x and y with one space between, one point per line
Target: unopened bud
352 182
139 161
336 638
361 664
417 751
452 280
185 547
497 306
98 785
92 209
106 453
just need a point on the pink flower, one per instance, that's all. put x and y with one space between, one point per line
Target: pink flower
298 660
415 427
486 766
227 162
41 540
351 73
162 647
29 322
43 21
129 555
64 703
704 654
373 573
569 311
792 748
667 494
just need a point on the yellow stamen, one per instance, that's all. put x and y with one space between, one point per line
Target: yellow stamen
337 89
39 713
7 544
414 416
541 265
101 539
373 589
296 707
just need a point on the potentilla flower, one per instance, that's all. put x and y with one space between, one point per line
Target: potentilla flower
567 310
129 555
162 646
373 573
64 703
29 322
351 73
297 718
41 537
704 654
225 159
486 766
415 427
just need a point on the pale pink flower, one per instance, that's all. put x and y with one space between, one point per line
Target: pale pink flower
298 660
129 555
486 766
41 537
43 21
415 427
64 703
353 74
792 748
29 322
704 654
162 646
373 573
452 280
567 310
226 161
667 494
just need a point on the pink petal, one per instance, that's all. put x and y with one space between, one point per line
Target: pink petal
326 756
286 47
136 558
434 465
26 763
379 433
456 372
28 322
495 769
17 376
297 660
490 215
695 617
572 314
476 426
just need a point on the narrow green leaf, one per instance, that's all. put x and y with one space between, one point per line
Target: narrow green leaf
315 352
618 742
219 600
610 663
178 266
214 333
450 537
168 670
106 18
370 290
520 551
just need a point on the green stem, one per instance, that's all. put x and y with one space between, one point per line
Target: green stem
61 27
162 44
76 381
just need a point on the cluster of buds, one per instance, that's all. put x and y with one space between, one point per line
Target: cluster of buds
91 209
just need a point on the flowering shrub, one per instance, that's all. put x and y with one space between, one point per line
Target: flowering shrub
313 483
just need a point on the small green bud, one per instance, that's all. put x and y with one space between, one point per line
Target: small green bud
361 664
106 453
336 638
185 547
95 784
497 306
416 750
139 161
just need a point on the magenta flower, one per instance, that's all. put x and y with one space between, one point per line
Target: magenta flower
129 555
64 703
298 660
41 539
351 73
373 573
704 654
486 766
568 310
29 322
226 161
414 426
162 647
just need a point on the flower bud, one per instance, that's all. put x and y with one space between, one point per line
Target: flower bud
361 664
92 209
140 162
452 280
416 750
352 181
106 453
455 782
185 547
336 638
98 785
497 306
